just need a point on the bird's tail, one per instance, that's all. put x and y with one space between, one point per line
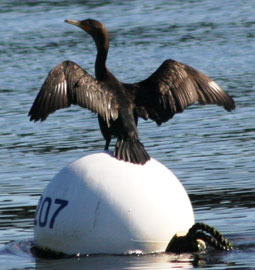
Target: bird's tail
131 150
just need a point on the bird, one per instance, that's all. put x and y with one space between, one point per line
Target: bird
169 90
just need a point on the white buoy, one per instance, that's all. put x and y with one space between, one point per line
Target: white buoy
99 204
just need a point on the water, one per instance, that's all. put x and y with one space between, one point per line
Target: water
211 151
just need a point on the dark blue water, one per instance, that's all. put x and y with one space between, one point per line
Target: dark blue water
210 150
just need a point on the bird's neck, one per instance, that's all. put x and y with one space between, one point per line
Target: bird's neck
102 51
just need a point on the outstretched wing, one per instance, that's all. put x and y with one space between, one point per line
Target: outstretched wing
173 87
69 84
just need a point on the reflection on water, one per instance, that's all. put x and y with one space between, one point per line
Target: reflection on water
211 151
211 259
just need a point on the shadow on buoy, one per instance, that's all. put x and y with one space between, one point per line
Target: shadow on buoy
99 204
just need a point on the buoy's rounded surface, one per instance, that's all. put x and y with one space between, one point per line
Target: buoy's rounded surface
99 204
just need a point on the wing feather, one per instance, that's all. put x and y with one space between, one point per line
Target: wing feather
69 84
172 88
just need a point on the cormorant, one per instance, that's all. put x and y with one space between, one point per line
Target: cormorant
169 90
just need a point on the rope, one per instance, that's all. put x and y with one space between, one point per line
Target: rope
215 238
192 240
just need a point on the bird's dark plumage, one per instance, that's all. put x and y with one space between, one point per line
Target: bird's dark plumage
169 90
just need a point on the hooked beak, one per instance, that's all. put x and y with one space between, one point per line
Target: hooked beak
78 23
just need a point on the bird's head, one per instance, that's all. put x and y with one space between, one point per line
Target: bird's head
93 27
